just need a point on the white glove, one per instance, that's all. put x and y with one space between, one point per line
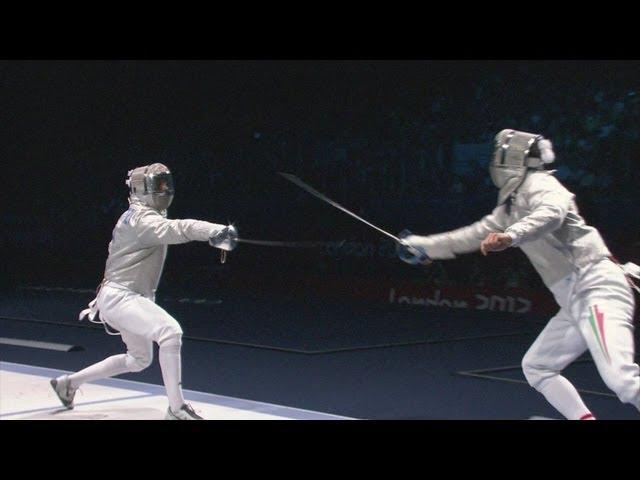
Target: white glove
411 254
225 239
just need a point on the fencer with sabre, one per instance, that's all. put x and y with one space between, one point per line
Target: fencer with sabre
537 214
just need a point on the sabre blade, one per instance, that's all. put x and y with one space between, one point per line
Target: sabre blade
295 180
277 243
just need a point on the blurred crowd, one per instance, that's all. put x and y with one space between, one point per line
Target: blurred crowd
413 159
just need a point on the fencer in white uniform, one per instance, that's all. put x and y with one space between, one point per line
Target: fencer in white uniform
536 213
126 297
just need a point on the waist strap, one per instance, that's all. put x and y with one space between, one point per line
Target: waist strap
93 314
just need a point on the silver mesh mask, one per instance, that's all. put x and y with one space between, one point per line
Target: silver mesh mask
512 159
152 185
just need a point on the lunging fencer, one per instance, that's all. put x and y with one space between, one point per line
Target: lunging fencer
536 213
126 297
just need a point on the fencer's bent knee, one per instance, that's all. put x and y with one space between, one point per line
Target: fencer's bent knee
174 340
629 393
166 329
626 385
530 372
138 363
534 372
169 332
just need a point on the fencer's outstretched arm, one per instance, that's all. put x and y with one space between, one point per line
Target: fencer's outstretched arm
467 239
548 201
153 229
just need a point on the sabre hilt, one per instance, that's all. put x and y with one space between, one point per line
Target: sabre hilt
226 240
411 254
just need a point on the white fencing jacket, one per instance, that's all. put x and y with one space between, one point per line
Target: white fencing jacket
543 221
139 246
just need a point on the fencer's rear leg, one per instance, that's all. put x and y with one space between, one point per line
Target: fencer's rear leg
559 344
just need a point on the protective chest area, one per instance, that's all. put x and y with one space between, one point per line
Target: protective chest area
516 208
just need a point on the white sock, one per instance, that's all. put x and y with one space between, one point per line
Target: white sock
170 363
564 397
109 367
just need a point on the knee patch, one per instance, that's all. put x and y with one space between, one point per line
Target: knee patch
174 340
136 364
534 373
169 333
626 387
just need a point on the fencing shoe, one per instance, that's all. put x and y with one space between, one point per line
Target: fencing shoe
186 412
64 390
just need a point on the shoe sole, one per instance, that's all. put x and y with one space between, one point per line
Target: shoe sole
65 403
171 416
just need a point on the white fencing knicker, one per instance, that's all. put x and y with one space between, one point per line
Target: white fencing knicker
597 309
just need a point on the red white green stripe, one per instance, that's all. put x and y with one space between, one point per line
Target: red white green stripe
596 319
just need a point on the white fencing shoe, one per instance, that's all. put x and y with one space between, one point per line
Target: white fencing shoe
186 412
62 387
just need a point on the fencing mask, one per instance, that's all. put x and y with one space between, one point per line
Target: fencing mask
152 185
514 154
